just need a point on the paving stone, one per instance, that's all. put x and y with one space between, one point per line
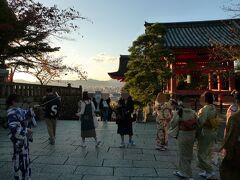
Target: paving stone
153 164
139 157
118 163
59 169
99 171
68 160
85 162
90 177
51 159
135 172
154 178
45 176
5 158
71 177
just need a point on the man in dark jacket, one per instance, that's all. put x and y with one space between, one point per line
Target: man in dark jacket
52 103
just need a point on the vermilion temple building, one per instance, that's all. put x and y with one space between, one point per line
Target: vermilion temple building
193 70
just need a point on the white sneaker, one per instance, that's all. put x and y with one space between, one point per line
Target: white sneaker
122 145
191 179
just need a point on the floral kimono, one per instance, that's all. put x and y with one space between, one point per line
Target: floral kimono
18 123
164 115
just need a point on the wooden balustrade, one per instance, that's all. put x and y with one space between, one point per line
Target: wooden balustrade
35 90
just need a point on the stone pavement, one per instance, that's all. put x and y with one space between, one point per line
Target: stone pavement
67 160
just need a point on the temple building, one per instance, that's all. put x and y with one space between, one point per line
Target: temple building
195 70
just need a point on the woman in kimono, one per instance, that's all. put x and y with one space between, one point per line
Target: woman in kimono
185 121
207 136
18 121
163 110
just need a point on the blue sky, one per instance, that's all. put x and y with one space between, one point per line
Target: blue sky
116 24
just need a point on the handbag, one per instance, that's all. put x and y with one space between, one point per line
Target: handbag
133 117
95 121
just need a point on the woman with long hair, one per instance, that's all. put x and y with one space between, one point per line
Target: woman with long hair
124 120
87 115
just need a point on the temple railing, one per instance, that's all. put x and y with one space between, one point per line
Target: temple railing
33 94
35 90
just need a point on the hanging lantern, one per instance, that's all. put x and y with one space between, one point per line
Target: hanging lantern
188 78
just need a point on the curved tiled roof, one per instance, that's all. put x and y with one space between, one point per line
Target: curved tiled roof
121 69
201 34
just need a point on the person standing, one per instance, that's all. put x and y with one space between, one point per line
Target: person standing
51 103
105 110
185 120
87 114
233 108
164 114
229 168
109 109
123 112
19 135
207 136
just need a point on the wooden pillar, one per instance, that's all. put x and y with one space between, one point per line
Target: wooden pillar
173 79
220 81
210 81
231 80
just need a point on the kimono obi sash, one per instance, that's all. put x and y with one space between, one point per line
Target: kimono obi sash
188 125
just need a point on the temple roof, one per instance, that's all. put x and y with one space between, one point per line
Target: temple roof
201 34
121 69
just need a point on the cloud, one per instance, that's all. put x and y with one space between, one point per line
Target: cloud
104 58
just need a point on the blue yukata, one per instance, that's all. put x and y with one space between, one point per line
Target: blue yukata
18 121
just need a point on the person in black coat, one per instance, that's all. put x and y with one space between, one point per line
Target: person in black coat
124 119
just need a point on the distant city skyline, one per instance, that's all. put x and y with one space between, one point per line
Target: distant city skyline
116 24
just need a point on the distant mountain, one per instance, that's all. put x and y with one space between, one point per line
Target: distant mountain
90 84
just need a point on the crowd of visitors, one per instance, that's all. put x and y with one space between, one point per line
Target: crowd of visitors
174 118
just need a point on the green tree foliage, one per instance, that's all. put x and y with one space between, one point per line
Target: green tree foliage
27 36
148 66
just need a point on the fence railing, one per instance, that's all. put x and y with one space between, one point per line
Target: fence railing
35 90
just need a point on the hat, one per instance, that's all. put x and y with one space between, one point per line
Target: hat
161 98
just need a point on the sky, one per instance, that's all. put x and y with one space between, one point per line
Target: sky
115 24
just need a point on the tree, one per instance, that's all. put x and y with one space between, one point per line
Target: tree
33 26
232 53
50 68
148 66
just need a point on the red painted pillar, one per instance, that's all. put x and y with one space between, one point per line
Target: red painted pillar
173 79
231 83
220 86
210 81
